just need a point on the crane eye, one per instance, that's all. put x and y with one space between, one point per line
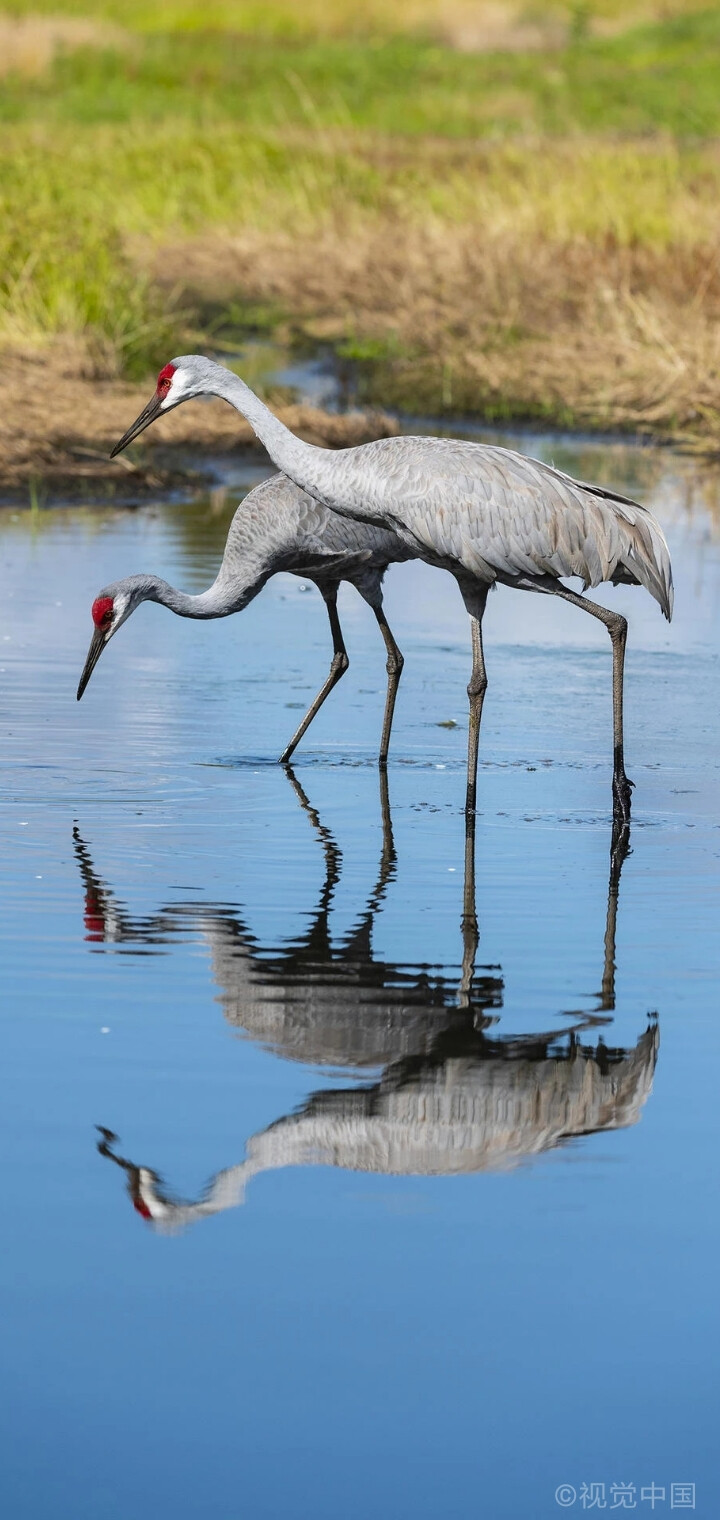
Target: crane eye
165 381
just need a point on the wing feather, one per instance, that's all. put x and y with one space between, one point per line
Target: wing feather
506 517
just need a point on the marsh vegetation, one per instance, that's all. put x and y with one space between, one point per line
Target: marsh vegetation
487 209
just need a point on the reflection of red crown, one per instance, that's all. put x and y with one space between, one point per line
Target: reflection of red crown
93 917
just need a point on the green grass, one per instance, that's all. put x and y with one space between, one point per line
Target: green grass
231 116
659 78
74 205
301 19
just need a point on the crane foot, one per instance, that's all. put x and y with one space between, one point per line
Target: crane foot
622 795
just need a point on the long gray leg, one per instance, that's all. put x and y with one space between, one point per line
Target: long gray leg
475 597
617 628
477 687
394 666
338 667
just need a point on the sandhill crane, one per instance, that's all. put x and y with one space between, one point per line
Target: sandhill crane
449 1097
485 513
277 527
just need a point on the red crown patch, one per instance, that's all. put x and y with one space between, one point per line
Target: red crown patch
102 610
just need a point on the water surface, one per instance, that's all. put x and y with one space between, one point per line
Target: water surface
321 1197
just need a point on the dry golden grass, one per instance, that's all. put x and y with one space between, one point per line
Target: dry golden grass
69 443
458 318
489 25
30 44
468 25
492 25
572 281
578 282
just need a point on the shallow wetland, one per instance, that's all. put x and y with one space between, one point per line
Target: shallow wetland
288 1174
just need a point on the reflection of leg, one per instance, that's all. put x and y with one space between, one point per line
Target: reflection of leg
332 854
394 667
357 945
469 924
338 667
476 692
389 856
105 1147
617 628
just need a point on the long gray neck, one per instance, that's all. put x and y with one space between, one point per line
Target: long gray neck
218 601
311 468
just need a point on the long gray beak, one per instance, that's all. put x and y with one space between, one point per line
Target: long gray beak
148 415
96 648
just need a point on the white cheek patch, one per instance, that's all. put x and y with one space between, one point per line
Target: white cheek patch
178 386
120 607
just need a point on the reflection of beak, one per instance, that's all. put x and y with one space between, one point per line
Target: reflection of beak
96 648
148 415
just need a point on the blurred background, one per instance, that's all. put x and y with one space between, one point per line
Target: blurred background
493 209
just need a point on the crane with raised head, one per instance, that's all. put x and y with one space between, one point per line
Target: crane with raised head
485 513
276 527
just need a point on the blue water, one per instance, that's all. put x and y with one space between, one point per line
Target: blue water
361 1234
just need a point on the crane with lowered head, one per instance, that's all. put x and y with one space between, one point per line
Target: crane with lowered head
277 527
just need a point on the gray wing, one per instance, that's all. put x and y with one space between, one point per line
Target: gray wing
506 517
280 527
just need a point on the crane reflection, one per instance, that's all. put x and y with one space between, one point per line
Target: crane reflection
445 1096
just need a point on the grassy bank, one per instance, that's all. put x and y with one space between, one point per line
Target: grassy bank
520 221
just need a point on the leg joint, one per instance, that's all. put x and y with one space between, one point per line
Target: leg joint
477 686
